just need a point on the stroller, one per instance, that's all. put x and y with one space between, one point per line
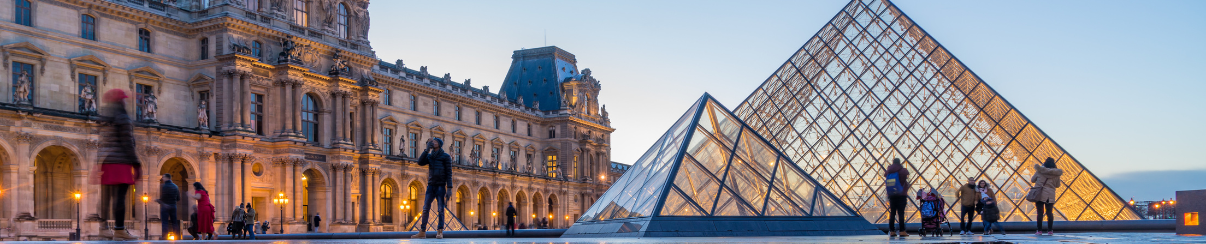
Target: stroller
933 214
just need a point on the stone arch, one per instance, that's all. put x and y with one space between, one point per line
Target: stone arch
389 195
35 149
315 194
523 214
182 175
538 208
460 201
55 178
553 206
503 197
483 203
415 192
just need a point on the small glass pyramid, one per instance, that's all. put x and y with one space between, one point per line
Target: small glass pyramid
451 222
710 165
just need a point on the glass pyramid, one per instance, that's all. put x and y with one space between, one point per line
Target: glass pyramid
709 165
451 222
871 86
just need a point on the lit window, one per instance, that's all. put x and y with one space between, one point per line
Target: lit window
387 203
1191 219
301 14
551 166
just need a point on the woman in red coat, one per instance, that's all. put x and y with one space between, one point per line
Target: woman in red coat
205 211
119 164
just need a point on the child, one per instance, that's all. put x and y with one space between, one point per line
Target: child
990 216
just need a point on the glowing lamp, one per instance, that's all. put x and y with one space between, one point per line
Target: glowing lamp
171 237
470 212
533 216
303 177
77 196
493 213
145 198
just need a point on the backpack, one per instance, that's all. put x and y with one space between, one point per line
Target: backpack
895 187
929 209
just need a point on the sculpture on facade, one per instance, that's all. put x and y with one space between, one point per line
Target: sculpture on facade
329 13
88 95
150 107
398 64
339 65
21 89
289 51
361 16
604 109
203 114
469 83
276 5
239 45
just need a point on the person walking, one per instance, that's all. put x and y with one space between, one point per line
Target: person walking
439 173
968 198
236 222
510 219
896 180
1046 180
317 222
192 228
989 213
249 222
205 211
119 166
169 195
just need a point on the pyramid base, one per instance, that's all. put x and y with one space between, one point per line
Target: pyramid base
724 226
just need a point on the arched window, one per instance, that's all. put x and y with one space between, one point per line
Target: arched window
310 118
256 49
342 27
24 12
414 205
301 13
387 203
88 27
204 48
144 40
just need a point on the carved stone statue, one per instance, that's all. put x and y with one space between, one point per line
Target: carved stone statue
89 97
277 5
203 114
21 89
150 107
604 111
330 11
469 83
361 15
399 64
288 51
447 77
536 104
339 65
423 70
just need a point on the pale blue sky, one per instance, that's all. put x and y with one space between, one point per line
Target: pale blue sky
1116 83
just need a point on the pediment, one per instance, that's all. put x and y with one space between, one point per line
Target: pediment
146 72
389 119
437 129
25 48
90 61
414 125
479 137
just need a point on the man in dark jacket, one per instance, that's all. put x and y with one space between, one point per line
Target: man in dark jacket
510 219
169 195
899 199
439 173
317 222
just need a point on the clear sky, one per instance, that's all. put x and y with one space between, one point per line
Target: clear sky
1118 84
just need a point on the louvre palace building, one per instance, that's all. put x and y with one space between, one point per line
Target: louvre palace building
266 100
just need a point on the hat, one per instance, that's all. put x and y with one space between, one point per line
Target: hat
114 95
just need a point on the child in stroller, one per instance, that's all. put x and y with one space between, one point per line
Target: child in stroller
933 213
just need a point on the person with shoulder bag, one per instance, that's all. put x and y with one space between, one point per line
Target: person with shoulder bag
1046 179
896 182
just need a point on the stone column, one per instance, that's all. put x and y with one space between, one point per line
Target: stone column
365 178
335 189
245 99
236 104
347 125
227 100
296 105
336 111
244 170
283 107
347 193
373 129
296 188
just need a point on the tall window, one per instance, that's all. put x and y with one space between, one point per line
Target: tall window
573 167
301 14
310 118
140 92
435 107
412 141
87 87
342 27
389 140
458 112
477 154
414 103
144 40
257 49
552 132
477 117
456 151
387 203
386 97
551 166
23 75
496 122
257 113
529 126
24 12
513 126
88 27
204 48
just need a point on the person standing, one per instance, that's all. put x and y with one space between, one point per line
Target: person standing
205 211
987 206
317 222
119 166
1046 180
236 222
896 180
249 222
169 195
439 173
967 195
510 219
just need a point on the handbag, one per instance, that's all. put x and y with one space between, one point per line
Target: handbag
1036 191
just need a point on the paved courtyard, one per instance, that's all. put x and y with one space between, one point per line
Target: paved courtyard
1101 237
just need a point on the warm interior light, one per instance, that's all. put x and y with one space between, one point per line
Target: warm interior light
303 177
171 237
1191 219
567 217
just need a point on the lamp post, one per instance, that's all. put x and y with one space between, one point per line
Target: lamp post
146 234
77 196
281 201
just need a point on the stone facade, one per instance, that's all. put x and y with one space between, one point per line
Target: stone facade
256 99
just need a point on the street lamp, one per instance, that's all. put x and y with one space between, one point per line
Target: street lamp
281 201
146 234
77 196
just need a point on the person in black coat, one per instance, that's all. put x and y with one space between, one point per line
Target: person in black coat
510 219
317 222
169 195
439 173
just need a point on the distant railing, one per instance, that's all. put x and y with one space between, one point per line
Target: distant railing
388 228
55 224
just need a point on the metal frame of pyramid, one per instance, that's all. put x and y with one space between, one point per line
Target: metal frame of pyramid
871 86
712 175
451 222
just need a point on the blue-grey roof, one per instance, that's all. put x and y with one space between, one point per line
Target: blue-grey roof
536 75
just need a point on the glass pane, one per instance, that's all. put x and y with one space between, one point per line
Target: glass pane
698 184
726 124
676 205
752 148
748 184
728 205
